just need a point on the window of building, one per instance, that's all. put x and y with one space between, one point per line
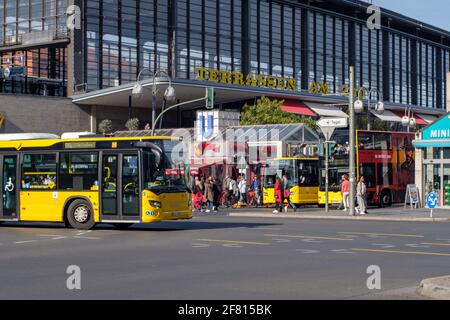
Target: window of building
39 171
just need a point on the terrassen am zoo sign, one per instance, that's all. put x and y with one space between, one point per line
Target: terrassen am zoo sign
251 80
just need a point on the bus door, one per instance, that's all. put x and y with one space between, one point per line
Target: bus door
9 182
120 192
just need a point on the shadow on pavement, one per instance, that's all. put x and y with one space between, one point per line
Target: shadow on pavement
158 226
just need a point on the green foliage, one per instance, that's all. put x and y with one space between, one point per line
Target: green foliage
105 126
132 124
267 111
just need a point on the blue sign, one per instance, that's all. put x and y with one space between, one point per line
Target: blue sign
432 200
206 132
439 130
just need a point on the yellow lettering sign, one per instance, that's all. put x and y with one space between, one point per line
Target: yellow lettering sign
251 80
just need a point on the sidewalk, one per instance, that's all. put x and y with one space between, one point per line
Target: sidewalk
396 213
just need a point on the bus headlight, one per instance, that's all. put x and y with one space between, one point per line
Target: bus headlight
155 204
292 193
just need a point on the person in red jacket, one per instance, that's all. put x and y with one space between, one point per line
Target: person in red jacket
278 192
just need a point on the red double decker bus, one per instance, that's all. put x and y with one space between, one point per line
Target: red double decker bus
386 160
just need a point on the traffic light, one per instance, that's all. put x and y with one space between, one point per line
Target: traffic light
321 150
210 98
331 149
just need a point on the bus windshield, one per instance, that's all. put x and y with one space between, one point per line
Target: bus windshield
278 168
163 178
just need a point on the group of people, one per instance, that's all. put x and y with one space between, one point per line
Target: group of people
361 195
282 192
210 193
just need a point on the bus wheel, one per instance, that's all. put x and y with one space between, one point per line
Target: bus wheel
80 215
386 199
122 226
321 206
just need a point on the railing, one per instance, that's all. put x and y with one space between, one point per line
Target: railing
36 37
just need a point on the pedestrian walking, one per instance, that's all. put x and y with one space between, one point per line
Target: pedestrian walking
209 194
256 188
361 194
242 186
287 194
345 191
278 193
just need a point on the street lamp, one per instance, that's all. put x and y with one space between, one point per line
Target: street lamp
408 119
169 93
378 106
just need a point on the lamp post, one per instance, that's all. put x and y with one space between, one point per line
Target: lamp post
351 169
378 107
408 119
169 94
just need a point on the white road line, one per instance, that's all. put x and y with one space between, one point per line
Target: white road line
232 245
446 240
87 238
311 241
304 251
48 235
267 228
200 245
383 246
416 245
281 240
59 238
343 251
26 241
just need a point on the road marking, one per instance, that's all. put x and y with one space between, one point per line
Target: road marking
402 252
267 228
26 241
200 245
416 245
383 246
304 251
343 251
281 240
311 241
87 238
59 238
436 244
48 235
234 241
306 237
384 234
232 245
447 240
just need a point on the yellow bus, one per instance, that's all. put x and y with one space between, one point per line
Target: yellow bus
302 175
85 181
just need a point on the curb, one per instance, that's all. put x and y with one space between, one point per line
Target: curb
436 288
328 217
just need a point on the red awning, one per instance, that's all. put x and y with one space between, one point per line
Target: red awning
297 107
418 119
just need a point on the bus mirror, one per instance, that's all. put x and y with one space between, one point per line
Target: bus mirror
156 150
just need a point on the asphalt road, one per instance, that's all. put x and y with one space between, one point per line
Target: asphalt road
220 257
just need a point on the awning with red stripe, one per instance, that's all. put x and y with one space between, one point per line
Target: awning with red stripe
418 119
297 107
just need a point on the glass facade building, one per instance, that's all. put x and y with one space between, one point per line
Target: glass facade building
312 42
34 27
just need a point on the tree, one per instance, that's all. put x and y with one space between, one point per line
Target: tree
267 111
132 124
105 126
